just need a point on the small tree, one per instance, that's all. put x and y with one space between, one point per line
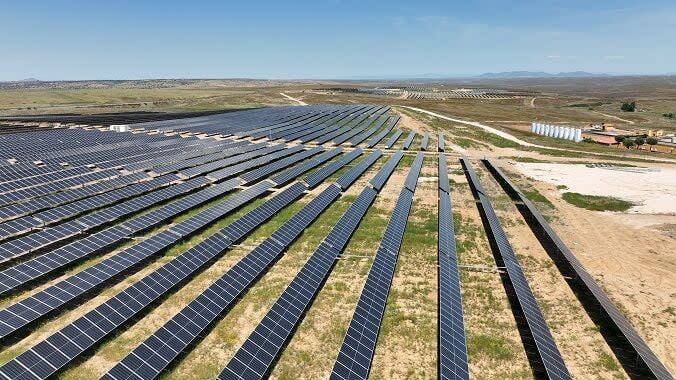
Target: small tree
628 107
628 143
652 142
619 138
639 141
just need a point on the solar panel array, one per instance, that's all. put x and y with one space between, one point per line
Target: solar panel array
69 195
158 351
548 353
637 352
356 351
254 358
452 360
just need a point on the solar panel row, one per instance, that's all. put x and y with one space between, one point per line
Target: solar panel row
51 354
361 137
393 140
19 315
425 141
42 238
30 270
452 359
255 356
549 356
167 343
291 173
348 178
254 156
381 135
356 351
638 354
320 175
53 200
408 140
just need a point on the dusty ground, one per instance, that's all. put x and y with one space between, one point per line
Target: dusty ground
653 189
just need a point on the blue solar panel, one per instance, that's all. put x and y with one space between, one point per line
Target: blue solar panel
211 303
95 325
356 351
255 356
452 360
643 360
548 353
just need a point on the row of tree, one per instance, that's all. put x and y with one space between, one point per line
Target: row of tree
638 141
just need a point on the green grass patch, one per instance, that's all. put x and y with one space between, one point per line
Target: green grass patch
537 197
596 202
489 346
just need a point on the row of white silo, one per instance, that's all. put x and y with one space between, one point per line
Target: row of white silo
556 131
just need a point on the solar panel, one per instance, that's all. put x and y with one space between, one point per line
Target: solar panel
452 359
441 143
393 140
255 356
47 357
361 137
443 174
56 199
257 174
20 274
642 358
547 352
425 141
380 135
303 167
356 351
412 177
408 141
28 243
211 303
320 175
345 180
379 180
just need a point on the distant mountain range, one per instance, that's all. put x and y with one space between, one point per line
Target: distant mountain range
540 74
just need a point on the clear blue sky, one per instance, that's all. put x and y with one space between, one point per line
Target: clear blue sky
106 39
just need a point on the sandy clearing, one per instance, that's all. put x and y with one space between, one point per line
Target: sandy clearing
654 191
300 102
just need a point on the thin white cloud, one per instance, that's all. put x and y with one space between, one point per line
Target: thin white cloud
613 57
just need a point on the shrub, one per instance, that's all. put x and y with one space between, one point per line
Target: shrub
619 138
628 107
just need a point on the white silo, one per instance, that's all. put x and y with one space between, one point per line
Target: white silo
578 135
571 135
538 128
566 133
550 130
558 133
532 127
